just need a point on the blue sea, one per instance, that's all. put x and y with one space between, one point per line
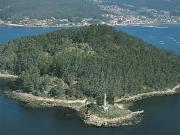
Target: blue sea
162 36
10 33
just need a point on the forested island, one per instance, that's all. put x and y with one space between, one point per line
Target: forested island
80 67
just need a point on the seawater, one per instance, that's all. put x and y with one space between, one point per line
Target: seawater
163 36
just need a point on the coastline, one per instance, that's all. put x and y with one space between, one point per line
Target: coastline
77 105
152 25
36 101
93 119
148 95
131 118
127 120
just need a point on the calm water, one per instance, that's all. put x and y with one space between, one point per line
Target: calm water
10 33
162 114
162 117
164 36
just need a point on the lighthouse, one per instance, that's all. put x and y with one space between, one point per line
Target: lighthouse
105 107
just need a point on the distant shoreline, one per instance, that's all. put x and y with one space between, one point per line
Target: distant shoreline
153 25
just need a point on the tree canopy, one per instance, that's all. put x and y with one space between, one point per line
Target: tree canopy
88 61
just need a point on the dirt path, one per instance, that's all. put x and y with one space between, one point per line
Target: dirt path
46 99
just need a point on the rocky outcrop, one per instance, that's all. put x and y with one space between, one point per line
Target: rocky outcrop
129 119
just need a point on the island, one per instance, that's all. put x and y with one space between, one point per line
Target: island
94 70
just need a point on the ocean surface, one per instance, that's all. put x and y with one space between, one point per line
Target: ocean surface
161 117
162 36
10 33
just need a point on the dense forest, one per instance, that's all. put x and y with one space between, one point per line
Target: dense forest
88 61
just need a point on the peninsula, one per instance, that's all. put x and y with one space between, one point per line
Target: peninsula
94 70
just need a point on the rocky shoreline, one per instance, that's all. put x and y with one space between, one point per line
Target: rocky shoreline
148 95
92 119
35 101
129 119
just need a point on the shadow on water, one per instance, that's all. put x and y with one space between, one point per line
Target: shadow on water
59 113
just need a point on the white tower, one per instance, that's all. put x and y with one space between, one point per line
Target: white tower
105 107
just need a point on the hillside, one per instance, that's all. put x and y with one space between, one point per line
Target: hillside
46 9
87 62
63 13
168 5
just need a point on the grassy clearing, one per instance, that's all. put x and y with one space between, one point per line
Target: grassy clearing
113 112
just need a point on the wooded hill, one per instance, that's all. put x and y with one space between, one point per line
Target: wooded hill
88 61
17 10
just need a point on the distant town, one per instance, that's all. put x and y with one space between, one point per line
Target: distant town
111 15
